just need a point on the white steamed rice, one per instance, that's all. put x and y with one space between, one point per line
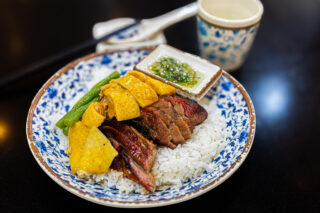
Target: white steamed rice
187 161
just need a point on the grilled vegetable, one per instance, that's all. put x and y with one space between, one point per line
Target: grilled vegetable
94 92
78 134
142 92
94 115
98 153
113 83
75 115
139 75
121 103
160 87
66 130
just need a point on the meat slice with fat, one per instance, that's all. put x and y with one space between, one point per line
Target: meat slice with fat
136 153
192 110
175 120
142 150
143 177
151 121
171 120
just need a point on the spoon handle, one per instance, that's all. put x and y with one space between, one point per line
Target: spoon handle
175 16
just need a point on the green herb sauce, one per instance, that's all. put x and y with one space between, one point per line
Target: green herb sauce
174 71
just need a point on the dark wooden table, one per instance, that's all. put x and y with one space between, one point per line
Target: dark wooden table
281 74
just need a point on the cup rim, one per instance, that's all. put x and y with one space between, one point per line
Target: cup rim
228 23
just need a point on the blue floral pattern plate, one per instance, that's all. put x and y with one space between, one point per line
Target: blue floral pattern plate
62 90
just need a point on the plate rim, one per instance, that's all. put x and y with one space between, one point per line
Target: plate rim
134 204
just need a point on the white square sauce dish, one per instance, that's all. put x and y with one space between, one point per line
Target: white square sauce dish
191 75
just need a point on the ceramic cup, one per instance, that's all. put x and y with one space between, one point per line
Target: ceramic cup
226 30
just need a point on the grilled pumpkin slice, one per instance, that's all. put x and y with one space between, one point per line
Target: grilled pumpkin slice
98 153
94 115
121 103
142 92
160 87
78 134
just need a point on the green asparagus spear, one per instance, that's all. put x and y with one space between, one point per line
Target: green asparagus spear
66 130
77 114
60 123
94 92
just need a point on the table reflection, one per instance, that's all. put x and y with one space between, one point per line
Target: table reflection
271 97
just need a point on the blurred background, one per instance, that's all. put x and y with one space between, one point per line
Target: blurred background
281 74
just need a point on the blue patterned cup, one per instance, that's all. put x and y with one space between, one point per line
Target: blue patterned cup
226 30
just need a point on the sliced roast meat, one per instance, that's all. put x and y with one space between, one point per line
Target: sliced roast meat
115 144
174 119
117 161
151 121
138 147
176 134
136 153
182 119
173 134
143 177
171 120
192 110
127 170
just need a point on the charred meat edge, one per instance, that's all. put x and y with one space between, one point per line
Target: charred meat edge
139 148
143 177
